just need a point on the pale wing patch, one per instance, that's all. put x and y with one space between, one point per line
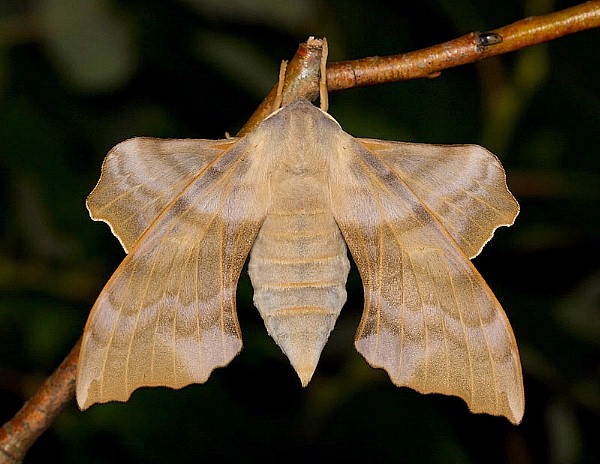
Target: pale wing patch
464 186
141 176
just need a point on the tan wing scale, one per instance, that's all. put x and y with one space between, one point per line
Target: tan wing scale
167 315
429 320
463 185
141 176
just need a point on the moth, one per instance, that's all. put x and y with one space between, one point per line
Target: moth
294 194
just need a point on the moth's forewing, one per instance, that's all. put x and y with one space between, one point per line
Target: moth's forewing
167 315
430 320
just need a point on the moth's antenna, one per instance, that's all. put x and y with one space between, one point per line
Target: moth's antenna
323 96
279 94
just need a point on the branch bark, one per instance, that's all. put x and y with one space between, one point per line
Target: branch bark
430 62
17 435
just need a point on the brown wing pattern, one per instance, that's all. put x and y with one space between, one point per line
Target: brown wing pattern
429 320
167 315
463 185
141 176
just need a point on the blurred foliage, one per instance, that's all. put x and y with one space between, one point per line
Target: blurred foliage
78 77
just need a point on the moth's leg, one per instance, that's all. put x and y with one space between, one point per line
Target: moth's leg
323 96
279 94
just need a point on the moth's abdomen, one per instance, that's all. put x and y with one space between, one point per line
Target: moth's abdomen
299 260
298 267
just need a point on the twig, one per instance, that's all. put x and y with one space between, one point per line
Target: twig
301 79
429 62
17 435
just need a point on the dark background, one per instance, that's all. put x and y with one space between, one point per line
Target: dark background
78 77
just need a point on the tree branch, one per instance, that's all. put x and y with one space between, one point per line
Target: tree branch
429 62
17 435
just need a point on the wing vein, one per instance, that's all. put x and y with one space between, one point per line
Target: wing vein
197 303
222 237
378 286
181 284
112 335
135 325
116 199
425 329
462 324
489 351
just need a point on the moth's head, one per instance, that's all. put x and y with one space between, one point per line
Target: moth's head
301 116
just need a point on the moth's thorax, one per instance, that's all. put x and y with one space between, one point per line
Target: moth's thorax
297 138
298 264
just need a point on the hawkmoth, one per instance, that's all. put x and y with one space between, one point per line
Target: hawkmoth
294 194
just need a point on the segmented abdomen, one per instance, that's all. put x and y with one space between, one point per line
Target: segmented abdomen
299 262
298 267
